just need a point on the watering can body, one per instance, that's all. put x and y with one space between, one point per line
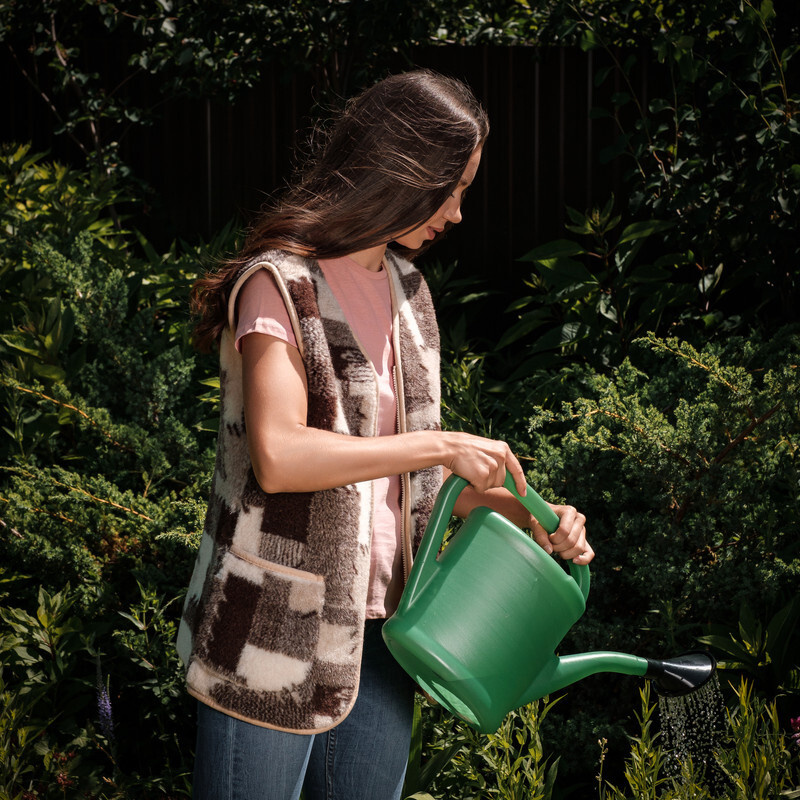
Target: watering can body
478 624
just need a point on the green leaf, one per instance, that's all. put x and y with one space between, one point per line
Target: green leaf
436 763
767 11
50 372
576 216
601 74
658 105
606 308
519 303
210 425
589 41
566 334
726 645
22 348
780 632
643 229
559 248
563 273
618 148
136 622
526 325
649 273
150 252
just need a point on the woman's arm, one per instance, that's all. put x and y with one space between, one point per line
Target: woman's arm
568 540
289 456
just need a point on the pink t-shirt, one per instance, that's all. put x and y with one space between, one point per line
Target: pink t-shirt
366 303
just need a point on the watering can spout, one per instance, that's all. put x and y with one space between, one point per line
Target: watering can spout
672 677
566 670
683 674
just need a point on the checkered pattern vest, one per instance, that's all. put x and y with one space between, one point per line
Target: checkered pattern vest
273 621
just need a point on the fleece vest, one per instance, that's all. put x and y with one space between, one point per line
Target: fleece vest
272 627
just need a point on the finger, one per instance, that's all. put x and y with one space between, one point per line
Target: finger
517 473
571 528
585 557
541 536
575 546
575 552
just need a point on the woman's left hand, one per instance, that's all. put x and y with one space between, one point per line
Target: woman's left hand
569 539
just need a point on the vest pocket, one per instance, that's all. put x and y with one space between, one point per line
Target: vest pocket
262 622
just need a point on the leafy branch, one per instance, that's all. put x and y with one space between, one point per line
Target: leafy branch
61 404
77 490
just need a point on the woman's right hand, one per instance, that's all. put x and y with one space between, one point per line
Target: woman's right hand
482 462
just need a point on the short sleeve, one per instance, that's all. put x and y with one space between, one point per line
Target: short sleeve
261 309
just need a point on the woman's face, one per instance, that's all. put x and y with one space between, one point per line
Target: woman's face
449 211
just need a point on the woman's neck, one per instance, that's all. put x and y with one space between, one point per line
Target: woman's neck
370 259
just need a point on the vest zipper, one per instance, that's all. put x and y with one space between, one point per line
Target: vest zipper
405 481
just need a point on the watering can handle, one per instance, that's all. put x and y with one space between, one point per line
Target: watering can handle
425 560
548 519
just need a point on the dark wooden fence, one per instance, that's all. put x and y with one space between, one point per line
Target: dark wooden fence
209 161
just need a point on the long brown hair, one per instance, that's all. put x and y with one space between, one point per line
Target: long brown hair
384 167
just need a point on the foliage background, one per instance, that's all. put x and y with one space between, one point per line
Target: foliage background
648 375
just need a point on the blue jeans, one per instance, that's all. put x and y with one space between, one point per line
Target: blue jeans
362 758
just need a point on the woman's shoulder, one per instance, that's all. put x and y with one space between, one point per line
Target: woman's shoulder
282 263
274 257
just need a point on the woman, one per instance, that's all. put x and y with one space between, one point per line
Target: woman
330 454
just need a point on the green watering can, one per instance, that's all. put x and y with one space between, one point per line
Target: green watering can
478 624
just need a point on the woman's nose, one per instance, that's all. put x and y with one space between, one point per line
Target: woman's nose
452 211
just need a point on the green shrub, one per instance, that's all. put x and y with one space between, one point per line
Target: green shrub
106 456
90 712
105 445
709 155
754 756
509 764
42 735
686 464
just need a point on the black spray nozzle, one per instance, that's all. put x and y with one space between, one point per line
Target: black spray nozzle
682 674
